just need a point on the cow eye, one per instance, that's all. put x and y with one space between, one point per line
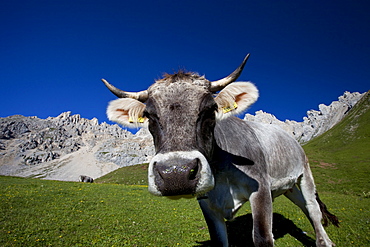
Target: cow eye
150 116
146 114
208 113
154 122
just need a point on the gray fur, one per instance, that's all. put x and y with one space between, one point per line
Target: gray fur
279 165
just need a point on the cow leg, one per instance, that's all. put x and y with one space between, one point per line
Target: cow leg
296 196
306 200
216 224
261 204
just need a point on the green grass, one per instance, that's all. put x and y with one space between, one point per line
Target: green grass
131 175
52 213
37 212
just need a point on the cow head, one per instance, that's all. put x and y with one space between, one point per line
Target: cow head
182 110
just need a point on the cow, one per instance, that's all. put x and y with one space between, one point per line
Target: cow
86 179
204 151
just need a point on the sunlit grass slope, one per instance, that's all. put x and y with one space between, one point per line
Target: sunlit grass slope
340 158
132 175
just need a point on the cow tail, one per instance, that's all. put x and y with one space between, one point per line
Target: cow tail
326 215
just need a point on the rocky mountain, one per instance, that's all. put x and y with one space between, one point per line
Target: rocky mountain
316 122
66 146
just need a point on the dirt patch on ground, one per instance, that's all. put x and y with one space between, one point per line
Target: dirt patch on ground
326 165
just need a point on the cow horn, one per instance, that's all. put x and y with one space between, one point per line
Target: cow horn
220 84
140 96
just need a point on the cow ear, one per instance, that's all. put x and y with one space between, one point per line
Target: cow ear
127 112
235 98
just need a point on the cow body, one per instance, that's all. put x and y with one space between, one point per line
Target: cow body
205 152
86 179
279 165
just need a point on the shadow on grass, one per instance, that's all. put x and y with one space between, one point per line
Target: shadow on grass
240 231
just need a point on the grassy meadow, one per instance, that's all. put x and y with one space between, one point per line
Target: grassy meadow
52 213
117 210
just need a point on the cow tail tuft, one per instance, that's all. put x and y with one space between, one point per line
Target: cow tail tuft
326 215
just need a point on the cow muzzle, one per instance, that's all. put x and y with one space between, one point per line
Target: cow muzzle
179 174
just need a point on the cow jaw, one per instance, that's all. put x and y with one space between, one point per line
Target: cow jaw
179 173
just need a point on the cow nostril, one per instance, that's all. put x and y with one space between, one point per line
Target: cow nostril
194 171
160 170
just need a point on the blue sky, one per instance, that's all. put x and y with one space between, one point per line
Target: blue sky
303 53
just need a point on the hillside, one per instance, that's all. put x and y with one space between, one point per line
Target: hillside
128 175
342 154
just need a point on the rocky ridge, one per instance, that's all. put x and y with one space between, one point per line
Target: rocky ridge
316 122
66 146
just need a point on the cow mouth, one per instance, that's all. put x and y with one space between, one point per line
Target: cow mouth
177 177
